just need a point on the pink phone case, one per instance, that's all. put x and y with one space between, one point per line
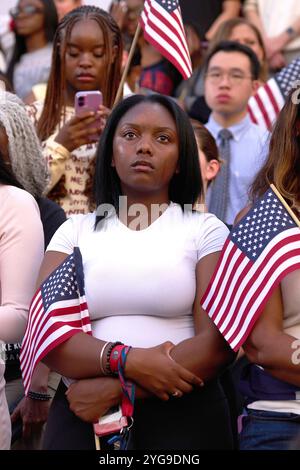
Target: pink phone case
110 423
89 101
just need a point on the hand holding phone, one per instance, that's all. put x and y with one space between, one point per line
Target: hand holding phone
89 101
86 126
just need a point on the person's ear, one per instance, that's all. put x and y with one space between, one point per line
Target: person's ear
113 162
212 169
255 86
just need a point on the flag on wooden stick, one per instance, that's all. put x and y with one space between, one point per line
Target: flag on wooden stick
163 28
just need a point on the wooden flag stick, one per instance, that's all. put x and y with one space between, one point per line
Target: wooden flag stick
97 442
125 72
294 217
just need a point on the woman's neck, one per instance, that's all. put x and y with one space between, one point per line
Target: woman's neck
36 41
142 211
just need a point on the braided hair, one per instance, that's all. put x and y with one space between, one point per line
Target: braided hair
25 153
54 107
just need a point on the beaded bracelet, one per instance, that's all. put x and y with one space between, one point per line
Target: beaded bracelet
39 396
108 353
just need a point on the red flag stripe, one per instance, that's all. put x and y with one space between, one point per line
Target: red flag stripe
211 288
170 37
240 270
43 329
237 339
252 115
27 377
272 98
35 321
165 31
167 51
245 309
263 110
173 21
247 285
220 289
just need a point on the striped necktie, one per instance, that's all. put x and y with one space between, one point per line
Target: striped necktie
220 188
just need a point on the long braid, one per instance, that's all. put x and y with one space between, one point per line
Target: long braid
54 107
25 152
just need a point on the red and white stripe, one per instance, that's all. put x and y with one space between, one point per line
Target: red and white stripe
46 330
240 288
165 32
266 104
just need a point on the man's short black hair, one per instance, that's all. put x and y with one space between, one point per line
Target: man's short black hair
233 46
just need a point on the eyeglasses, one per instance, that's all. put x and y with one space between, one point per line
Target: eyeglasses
234 78
28 10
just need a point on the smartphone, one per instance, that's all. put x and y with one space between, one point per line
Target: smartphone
89 101
111 422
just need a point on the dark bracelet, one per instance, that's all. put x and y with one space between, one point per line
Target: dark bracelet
108 354
39 396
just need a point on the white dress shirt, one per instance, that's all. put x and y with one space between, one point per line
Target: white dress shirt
248 148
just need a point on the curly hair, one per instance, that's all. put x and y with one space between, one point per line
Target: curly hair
25 152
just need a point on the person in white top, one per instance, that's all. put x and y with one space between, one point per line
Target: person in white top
279 23
147 262
34 23
21 241
272 381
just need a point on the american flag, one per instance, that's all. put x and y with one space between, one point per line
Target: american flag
163 28
57 312
260 250
266 104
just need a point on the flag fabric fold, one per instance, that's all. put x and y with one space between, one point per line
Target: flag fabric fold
266 104
58 311
163 28
258 253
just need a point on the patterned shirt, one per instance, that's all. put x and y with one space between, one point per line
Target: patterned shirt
73 169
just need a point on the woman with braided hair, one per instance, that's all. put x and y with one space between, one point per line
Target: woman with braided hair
87 56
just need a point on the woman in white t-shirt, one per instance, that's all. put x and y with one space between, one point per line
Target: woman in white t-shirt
147 259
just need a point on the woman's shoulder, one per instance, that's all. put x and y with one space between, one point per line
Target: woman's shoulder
18 209
242 213
200 216
11 195
34 110
199 221
81 223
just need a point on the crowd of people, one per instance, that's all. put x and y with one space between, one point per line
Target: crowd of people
146 188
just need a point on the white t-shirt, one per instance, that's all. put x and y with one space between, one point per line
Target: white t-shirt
140 285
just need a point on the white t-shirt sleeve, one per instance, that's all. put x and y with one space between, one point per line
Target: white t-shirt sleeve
65 238
212 236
